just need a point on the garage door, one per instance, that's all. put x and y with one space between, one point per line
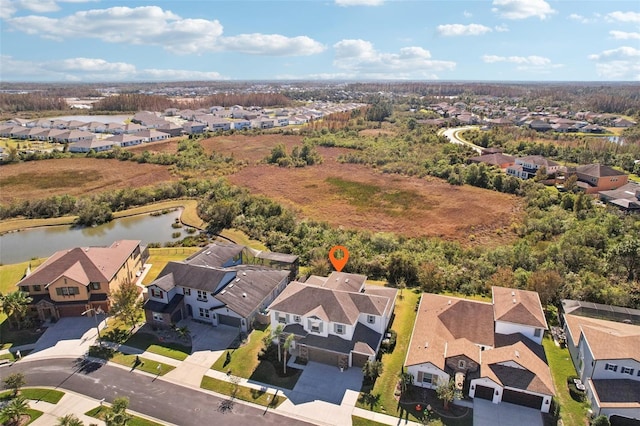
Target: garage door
521 398
228 320
484 392
318 355
623 421
71 311
358 360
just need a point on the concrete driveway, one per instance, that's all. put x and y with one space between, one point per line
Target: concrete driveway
324 382
68 336
486 413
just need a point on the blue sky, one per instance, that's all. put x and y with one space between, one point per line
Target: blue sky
498 40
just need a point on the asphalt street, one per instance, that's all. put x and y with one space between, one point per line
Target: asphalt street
147 395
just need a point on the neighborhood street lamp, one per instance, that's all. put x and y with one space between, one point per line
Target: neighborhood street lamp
95 317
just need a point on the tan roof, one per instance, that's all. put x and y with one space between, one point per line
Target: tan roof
536 376
83 264
518 307
607 339
330 305
443 319
463 347
339 281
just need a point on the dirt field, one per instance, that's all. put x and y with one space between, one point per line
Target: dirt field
74 176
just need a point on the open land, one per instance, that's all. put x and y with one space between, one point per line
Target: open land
34 180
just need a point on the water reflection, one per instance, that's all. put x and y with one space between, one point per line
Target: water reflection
43 242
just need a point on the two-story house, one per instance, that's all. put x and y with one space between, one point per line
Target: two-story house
593 178
604 343
335 320
527 167
73 281
225 284
491 350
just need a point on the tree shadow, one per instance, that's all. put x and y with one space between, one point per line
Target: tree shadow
226 406
369 399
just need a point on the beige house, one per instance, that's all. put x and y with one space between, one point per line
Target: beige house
73 281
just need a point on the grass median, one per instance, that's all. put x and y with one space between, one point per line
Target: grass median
256 396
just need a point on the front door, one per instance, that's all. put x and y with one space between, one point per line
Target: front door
189 310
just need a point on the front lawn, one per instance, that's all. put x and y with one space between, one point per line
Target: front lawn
572 412
381 399
51 396
146 365
244 393
151 343
99 413
33 414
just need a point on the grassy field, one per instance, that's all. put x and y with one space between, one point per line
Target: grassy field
159 257
361 421
99 413
51 396
572 412
11 274
385 385
241 238
244 393
146 365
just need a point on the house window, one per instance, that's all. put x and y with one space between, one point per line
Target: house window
67 291
627 370
204 313
158 317
371 319
24 288
611 367
297 318
155 292
37 287
536 333
315 327
429 378
202 296
462 363
187 291
339 328
94 286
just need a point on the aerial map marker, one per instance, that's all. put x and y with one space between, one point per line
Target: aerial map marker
338 263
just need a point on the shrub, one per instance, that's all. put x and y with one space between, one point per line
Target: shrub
576 394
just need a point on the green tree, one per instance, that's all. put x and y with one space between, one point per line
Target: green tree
126 305
372 370
285 347
219 214
15 305
405 380
15 409
277 335
118 416
601 421
547 283
14 382
626 256
69 420
447 392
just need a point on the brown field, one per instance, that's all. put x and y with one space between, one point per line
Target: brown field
75 176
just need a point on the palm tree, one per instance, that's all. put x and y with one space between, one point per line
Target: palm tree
276 335
69 420
17 408
287 344
118 416
16 305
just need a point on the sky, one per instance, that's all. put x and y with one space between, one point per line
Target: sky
363 40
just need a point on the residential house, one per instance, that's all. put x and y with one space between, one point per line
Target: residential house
96 145
496 159
124 140
224 284
152 135
241 124
604 343
491 350
623 122
71 136
170 128
626 198
262 123
219 125
336 320
73 281
193 127
593 178
527 167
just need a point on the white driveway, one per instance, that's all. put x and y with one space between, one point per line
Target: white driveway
68 337
486 413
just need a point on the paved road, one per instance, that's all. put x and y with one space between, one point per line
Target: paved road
452 135
157 398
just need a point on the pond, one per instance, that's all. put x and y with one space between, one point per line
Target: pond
21 246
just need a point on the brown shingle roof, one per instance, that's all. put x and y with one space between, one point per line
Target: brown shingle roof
607 339
518 307
598 170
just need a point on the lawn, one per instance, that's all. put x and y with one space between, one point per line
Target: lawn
572 412
159 257
99 412
51 396
244 393
241 238
34 414
146 365
361 421
150 342
11 274
383 400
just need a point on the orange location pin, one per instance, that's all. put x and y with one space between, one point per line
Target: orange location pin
338 263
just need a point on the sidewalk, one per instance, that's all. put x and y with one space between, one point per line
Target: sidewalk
73 403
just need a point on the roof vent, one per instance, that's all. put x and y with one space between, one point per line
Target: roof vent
223 291
208 252
346 280
237 280
513 293
231 285
517 354
426 345
514 301
244 294
449 302
244 274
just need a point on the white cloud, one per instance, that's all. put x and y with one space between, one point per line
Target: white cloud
151 25
623 35
272 44
524 63
622 63
10 7
633 17
452 30
501 28
345 3
467 14
359 58
92 69
579 18
522 9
